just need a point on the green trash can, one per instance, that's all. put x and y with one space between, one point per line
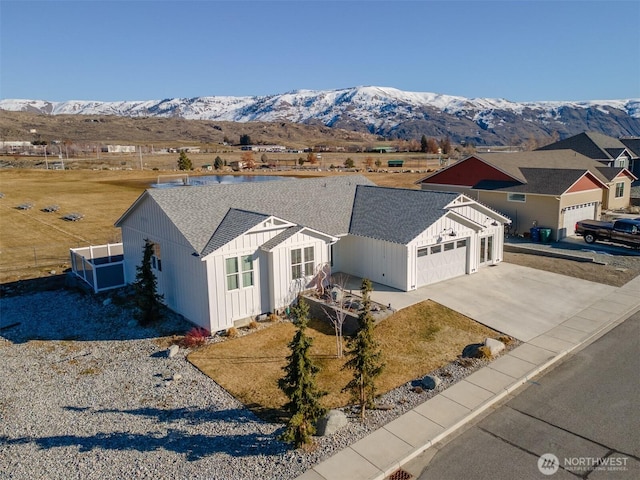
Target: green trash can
545 235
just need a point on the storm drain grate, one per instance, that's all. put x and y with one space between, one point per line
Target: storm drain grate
400 474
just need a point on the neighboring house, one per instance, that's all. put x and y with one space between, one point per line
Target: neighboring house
607 150
225 253
549 189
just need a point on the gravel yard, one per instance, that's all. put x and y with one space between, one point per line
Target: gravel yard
86 393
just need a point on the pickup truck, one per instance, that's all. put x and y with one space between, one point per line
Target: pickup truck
625 231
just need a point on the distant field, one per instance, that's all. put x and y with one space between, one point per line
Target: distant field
33 243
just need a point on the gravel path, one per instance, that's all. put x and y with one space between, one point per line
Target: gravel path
86 393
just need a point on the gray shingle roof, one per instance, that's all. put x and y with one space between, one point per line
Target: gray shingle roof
281 237
323 204
541 181
235 223
591 144
396 215
513 163
610 172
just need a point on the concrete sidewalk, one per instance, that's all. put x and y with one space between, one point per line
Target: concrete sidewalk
382 452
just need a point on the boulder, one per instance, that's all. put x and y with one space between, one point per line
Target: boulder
173 351
494 346
106 301
176 377
430 382
331 422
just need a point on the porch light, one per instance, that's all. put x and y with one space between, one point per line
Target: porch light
494 223
449 231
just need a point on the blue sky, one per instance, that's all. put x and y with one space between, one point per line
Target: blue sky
143 50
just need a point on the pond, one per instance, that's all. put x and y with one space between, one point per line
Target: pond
179 180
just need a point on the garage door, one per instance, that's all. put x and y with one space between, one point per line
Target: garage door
575 213
440 262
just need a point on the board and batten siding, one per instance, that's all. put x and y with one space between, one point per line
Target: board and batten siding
227 306
283 288
378 260
183 278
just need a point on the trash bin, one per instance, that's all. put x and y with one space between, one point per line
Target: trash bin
535 234
545 235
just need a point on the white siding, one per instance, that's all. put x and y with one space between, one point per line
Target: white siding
379 261
284 290
183 280
226 305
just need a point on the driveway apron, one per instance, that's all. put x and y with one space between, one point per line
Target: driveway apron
519 301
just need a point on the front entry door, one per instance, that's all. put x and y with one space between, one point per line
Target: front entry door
486 250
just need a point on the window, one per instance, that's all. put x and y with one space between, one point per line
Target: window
449 246
235 268
461 243
516 197
619 189
436 249
302 263
423 252
156 259
308 261
232 273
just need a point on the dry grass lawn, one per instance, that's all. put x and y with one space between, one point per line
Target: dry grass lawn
32 242
414 341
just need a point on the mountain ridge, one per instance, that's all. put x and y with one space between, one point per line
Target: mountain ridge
383 111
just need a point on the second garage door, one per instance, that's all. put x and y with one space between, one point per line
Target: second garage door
440 262
575 213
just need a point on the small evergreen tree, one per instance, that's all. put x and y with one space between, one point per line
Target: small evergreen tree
184 163
365 357
147 300
299 384
245 139
348 163
424 144
218 163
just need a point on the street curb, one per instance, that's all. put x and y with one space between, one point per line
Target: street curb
513 248
508 390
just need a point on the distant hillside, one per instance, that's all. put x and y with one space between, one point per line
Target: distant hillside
384 112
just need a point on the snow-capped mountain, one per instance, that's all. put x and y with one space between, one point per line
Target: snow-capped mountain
387 112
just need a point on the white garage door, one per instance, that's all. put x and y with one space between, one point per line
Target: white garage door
575 213
440 262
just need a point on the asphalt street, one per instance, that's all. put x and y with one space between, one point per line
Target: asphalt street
579 420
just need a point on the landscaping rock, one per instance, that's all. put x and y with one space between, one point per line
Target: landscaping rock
331 423
495 346
176 377
430 382
173 351
106 301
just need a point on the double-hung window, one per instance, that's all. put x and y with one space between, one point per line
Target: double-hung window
239 272
619 189
156 258
302 262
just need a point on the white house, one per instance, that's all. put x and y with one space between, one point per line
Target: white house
225 253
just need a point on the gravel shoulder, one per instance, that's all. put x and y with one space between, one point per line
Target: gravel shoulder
87 393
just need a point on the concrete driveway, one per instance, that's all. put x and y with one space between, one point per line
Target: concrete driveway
519 301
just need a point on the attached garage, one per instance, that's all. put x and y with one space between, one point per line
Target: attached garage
575 213
436 263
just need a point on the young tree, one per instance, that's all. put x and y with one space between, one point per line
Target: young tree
301 161
445 145
337 313
245 139
424 144
184 163
218 163
368 162
264 158
312 158
432 145
299 384
378 163
147 300
348 163
365 357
